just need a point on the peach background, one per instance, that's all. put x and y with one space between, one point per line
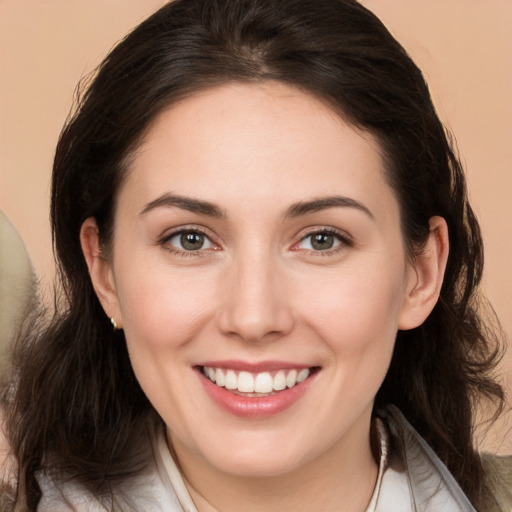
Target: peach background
463 46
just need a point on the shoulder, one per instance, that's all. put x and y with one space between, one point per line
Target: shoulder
428 483
498 475
60 497
144 489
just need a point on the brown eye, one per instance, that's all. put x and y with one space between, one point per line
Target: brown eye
189 241
192 241
322 241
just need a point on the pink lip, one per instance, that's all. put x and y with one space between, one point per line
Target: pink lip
264 366
254 407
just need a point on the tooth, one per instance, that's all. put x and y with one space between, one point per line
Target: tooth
303 375
279 380
219 377
291 378
263 383
231 381
245 382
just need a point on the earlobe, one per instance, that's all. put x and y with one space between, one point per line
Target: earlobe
426 278
100 270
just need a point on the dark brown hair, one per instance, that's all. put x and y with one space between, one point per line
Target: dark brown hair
74 404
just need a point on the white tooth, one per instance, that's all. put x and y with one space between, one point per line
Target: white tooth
263 383
231 380
219 377
279 380
245 382
291 378
303 375
210 373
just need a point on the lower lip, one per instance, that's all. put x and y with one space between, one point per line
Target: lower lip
255 407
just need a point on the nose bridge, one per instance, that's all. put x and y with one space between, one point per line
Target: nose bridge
255 304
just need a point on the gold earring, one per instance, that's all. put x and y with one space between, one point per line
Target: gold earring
114 324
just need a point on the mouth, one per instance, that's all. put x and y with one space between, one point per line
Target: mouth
256 390
257 384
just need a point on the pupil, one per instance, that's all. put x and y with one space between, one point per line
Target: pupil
192 241
322 241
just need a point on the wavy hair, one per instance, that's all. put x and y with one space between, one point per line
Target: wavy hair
74 404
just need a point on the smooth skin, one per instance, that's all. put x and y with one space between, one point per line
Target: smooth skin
255 224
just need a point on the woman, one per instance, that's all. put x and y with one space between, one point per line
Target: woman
270 268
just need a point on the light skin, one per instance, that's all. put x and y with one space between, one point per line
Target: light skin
301 259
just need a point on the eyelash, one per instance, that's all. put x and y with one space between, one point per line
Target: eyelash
165 241
343 239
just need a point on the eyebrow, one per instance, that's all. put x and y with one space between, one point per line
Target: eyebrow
315 205
296 210
185 203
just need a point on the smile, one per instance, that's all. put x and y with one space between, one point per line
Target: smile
256 391
256 384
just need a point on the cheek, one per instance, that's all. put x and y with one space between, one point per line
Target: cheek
160 307
356 312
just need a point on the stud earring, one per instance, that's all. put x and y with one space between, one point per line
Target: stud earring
114 324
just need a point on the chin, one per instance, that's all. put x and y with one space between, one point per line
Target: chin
261 456
258 467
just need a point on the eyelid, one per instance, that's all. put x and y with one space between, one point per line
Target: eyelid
342 236
169 235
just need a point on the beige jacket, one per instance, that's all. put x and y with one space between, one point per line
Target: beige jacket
498 471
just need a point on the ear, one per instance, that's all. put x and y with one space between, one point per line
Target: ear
100 270
426 276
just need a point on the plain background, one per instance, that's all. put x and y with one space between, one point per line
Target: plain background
464 48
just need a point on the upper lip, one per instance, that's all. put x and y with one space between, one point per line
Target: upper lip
251 367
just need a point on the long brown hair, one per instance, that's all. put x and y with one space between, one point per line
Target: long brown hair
74 404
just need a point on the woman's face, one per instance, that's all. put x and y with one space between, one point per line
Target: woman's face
257 244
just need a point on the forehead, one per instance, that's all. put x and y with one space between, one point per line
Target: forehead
260 140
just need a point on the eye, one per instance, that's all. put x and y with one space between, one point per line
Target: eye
323 240
189 240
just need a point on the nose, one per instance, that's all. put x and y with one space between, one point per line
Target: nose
255 303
